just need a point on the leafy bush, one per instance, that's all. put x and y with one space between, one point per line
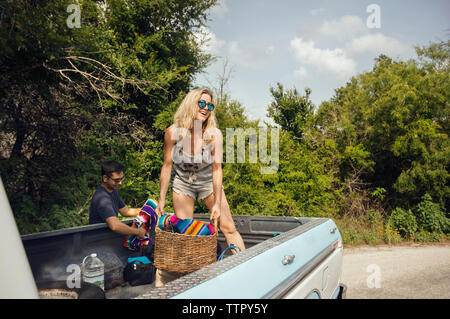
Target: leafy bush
374 218
403 221
427 237
371 237
391 236
351 236
430 217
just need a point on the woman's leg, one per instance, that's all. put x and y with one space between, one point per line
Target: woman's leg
226 221
183 205
184 208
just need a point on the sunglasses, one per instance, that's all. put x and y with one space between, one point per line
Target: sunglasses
117 180
202 104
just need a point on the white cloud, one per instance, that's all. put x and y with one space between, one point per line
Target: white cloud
332 61
359 38
208 41
220 9
355 41
345 28
317 11
376 44
252 57
270 50
301 72
238 54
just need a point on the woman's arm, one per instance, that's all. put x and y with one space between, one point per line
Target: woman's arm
217 174
166 170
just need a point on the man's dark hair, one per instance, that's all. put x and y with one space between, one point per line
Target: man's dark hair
110 167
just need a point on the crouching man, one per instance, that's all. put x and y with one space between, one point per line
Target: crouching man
106 202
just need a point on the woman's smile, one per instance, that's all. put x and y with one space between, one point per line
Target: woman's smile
203 114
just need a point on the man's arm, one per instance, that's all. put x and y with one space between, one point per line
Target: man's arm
116 226
129 212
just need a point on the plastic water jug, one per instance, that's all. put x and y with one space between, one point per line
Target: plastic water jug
93 270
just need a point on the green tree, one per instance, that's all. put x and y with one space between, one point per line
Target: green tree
290 110
395 120
74 97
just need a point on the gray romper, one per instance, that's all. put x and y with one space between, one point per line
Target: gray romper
193 173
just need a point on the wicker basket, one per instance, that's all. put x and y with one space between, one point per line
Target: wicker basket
182 253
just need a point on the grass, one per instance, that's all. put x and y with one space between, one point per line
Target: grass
374 230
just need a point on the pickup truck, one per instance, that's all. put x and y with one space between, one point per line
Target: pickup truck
286 257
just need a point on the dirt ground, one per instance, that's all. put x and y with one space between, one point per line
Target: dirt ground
401 271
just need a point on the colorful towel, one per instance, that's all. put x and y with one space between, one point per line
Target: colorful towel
146 217
171 222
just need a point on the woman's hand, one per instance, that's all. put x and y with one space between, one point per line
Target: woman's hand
160 209
215 212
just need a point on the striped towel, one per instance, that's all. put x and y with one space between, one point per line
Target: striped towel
171 222
146 217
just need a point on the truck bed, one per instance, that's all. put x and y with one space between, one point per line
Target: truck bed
50 253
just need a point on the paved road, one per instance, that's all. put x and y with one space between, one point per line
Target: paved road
413 271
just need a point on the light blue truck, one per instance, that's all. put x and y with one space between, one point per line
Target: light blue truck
286 257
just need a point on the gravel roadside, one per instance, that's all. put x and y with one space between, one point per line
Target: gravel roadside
406 271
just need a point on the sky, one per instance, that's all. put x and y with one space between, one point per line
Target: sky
311 44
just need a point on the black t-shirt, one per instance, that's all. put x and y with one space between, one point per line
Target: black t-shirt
104 205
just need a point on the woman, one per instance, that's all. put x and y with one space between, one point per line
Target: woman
193 147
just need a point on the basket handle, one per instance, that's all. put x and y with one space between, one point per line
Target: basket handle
216 230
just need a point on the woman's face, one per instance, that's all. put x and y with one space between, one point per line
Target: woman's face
203 114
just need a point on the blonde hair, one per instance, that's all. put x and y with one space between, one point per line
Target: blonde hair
185 115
